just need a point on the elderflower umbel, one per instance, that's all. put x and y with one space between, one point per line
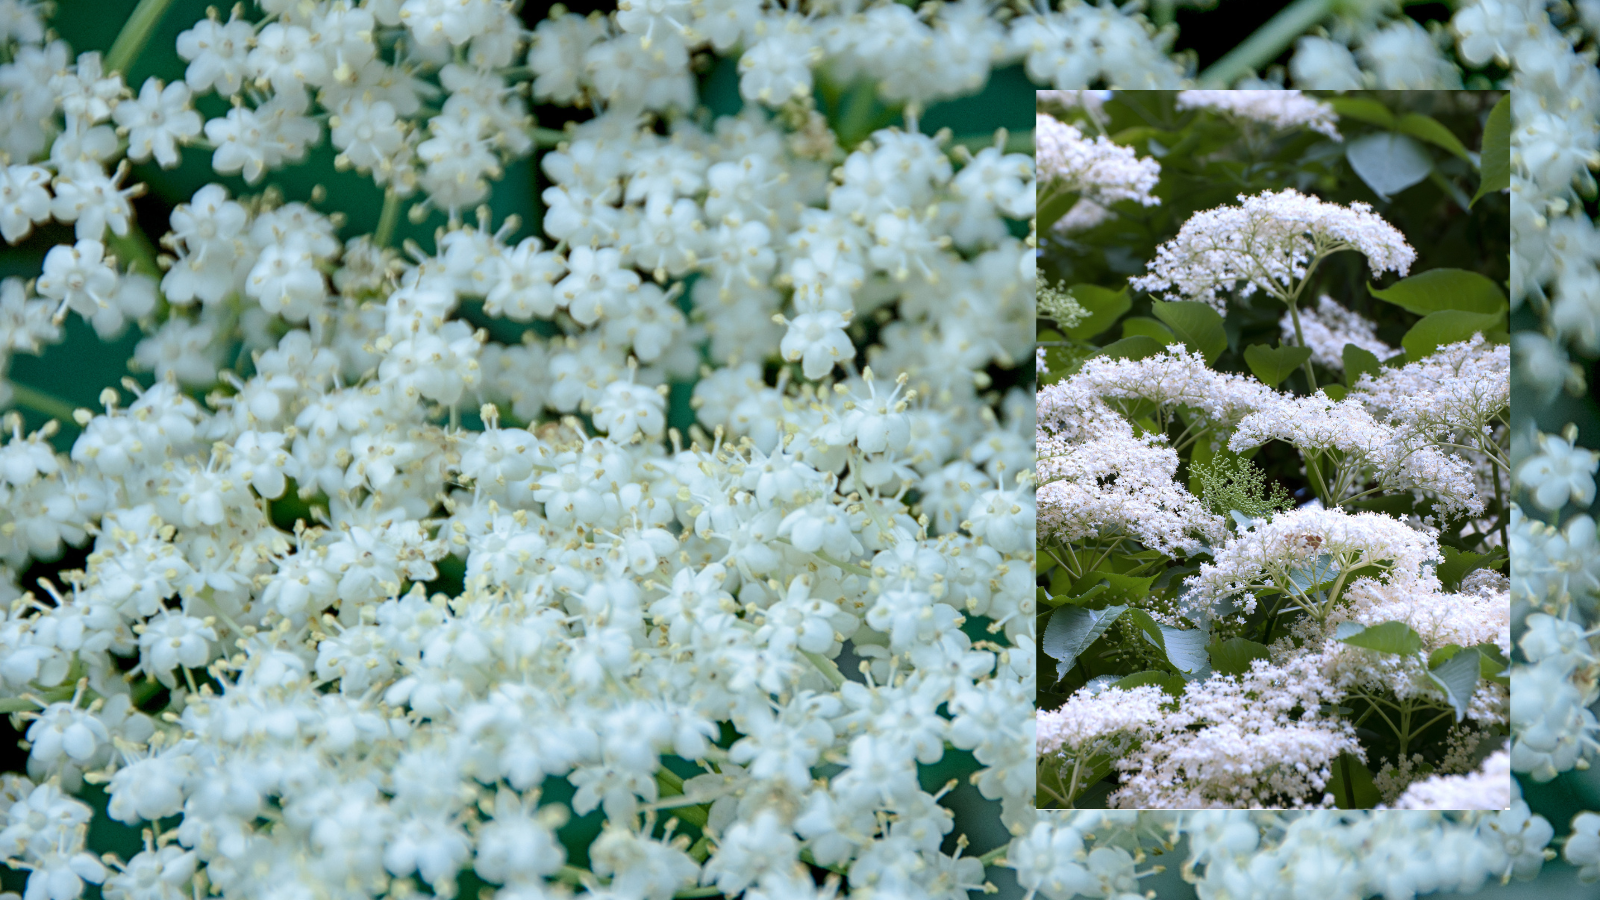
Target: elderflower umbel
1268 244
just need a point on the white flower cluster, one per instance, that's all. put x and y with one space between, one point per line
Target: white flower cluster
1269 242
1102 170
1334 853
1328 327
1280 109
755 629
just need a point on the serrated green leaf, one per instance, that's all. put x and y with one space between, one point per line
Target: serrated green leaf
1137 326
1196 324
1387 637
1457 565
1358 362
1136 347
1362 110
1438 290
1233 656
1443 653
1273 364
1103 305
1494 160
1071 630
1451 326
1433 131
1458 678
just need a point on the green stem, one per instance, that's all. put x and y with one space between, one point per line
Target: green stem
134 34
1300 341
135 248
39 401
994 856
855 121
387 218
1500 505
548 137
1267 43
826 666
671 786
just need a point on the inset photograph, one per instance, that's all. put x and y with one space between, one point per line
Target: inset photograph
1273 450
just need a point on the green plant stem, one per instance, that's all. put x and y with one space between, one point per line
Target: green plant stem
1500 504
135 34
826 666
855 120
548 137
994 856
1270 40
387 218
1300 341
39 401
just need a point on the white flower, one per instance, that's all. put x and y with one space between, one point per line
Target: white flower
78 277
1267 243
626 409
24 200
1560 473
157 120
595 279
818 342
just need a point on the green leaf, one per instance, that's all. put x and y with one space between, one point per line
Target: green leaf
1358 362
1388 637
1130 588
1351 784
1492 664
1438 290
1136 347
1103 305
1071 630
1081 597
1457 564
1196 324
1184 648
1437 657
1494 161
1448 327
1335 392
1362 110
1233 656
1144 326
1172 684
1458 678
1388 163
1055 205
1431 130
1321 573
1273 364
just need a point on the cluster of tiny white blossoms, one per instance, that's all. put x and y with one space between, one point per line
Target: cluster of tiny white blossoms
1100 170
1268 243
1280 109
1327 327
1100 478
1242 853
754 629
